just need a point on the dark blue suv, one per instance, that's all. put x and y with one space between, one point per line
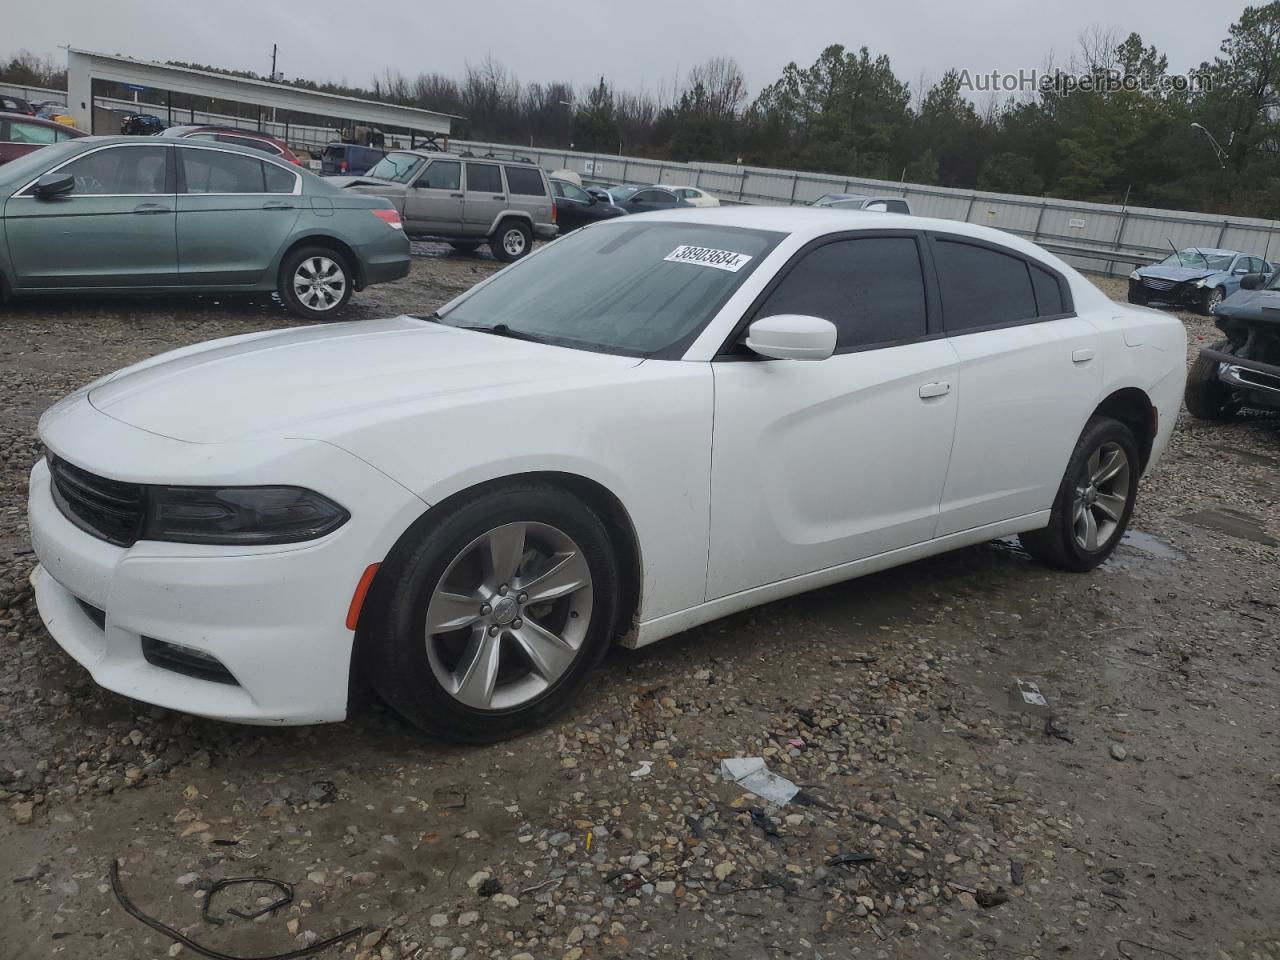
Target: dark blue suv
348 159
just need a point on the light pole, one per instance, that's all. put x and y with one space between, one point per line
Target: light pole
1217 147
568 123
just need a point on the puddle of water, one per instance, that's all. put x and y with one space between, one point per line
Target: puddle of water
1152 545
1234 523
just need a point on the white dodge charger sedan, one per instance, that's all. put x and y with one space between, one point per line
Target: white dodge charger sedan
648 424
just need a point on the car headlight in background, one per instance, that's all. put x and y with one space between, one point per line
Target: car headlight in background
239 516
1134 276
1200 283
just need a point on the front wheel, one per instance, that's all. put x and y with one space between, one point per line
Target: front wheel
315 282
1210 298
489 620
1206 396
1094 502
511 241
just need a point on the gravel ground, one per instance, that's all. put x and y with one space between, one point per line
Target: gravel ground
936 819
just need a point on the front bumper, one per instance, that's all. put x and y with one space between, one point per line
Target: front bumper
1166 291
273 617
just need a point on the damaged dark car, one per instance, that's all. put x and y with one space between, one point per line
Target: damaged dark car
1198 277
1242 371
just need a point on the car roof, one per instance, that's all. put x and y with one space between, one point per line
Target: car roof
450 155
806 221
212 128
89 143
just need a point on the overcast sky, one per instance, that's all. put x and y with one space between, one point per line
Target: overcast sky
635 45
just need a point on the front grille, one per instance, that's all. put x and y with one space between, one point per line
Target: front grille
1155 283
108 509
184 660
1256 378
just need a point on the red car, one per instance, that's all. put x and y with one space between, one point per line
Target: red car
20 134
241 138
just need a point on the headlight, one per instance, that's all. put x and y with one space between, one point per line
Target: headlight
1134 276
239 515
1201 283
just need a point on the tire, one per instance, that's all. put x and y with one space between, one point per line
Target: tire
512 240
1210 298
464 246
429 683
318 274
1080 504
1206 396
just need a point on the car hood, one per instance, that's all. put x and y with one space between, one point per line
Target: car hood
343 183
1251 305
289 382
1179 274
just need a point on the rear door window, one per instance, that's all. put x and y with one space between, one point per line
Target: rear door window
871 288
279 180
213 171
897 206
982 287
525 181
484 178
20 132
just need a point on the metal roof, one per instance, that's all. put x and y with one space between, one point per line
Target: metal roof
84 66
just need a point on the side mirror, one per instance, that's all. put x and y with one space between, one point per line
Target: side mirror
1253 281
792 336
53 185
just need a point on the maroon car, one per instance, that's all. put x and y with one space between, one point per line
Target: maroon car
241 138
20 134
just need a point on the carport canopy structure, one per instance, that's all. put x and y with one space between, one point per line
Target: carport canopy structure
84 66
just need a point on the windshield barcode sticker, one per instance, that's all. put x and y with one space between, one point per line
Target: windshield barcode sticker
709 257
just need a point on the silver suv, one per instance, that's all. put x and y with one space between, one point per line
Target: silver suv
464 199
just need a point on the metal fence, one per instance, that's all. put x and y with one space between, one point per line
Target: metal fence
1101 237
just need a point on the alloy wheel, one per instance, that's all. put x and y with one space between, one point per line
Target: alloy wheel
509 616
1102 493
319 283
513 242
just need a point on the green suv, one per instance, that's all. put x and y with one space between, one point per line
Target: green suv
103 214
464 199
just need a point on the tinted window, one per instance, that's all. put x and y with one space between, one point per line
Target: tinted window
441 175
652 196
483 178
525 181
897 206
20 132
1048 292
279 180
120 170
981 287
334 152
212 171
871 288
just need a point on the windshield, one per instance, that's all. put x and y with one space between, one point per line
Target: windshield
636 289
1192 257
396 167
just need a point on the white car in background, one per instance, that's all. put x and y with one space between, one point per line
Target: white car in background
648 424
696 197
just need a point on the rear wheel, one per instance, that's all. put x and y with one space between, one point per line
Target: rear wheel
512 240
489 620
315 282
1094 502
1206 396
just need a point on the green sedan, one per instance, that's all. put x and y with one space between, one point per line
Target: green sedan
101 214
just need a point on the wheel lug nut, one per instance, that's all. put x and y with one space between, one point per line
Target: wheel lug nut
523 598
517 623
485 609
493 631
503 590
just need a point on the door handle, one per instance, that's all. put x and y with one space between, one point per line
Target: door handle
1083 355
144 208
456 196
499 196
277 206
938 388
